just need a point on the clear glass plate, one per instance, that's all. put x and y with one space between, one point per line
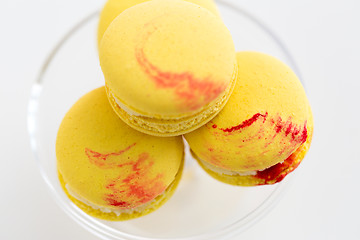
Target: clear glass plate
201 208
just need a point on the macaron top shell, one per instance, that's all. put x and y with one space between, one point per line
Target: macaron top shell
108 163
167 59
113 8
264 121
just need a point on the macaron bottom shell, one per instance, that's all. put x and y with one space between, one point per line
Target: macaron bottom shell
126 215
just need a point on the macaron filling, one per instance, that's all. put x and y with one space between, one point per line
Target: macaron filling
209 108
123 106
271 175
170 126
223 171
119 211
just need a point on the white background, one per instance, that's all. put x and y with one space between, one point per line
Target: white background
322 35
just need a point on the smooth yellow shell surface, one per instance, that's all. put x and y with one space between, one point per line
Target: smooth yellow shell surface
266 119
109 164
113 8
167 59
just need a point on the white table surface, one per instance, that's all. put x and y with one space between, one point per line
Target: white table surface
322 35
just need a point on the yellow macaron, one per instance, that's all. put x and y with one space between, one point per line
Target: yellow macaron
264 130
169 66
113 8
108 169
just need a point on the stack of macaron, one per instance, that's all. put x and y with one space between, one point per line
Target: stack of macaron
171 73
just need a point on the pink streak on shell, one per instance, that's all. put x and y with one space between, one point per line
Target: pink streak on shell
133 187
193 92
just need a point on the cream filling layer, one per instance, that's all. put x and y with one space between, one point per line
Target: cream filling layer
225 171
125 108
213 107
118 212
131 112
